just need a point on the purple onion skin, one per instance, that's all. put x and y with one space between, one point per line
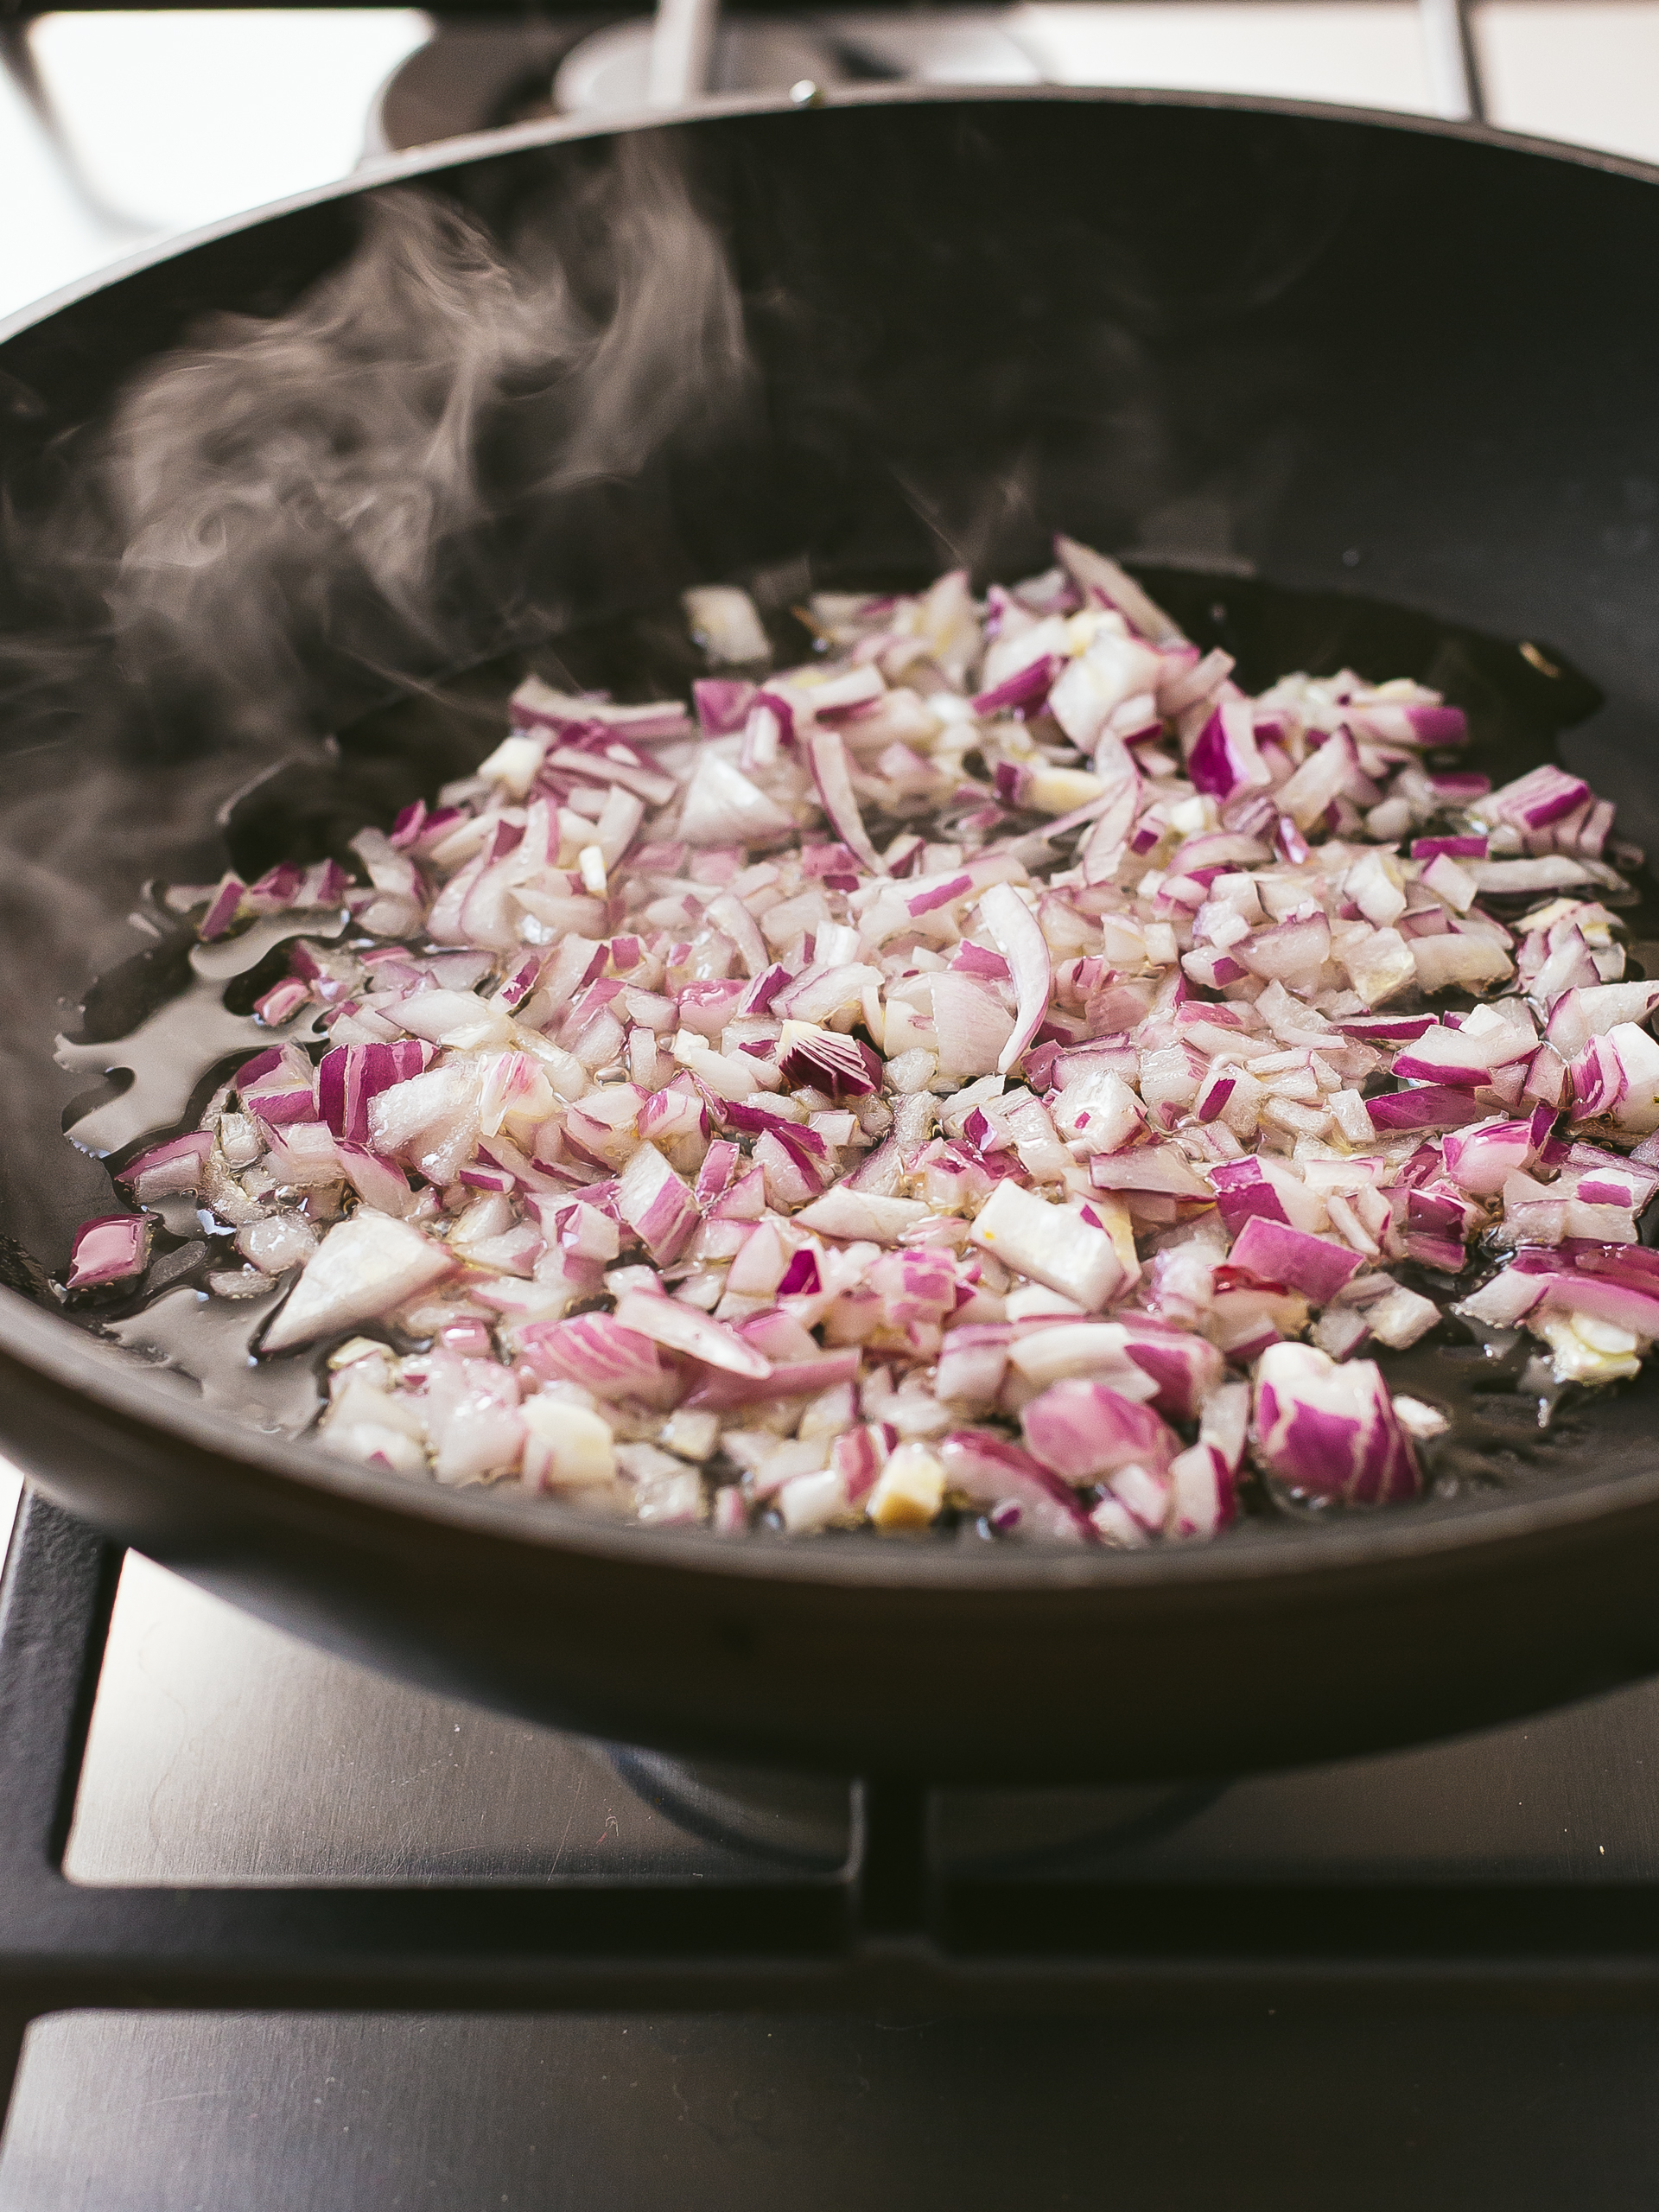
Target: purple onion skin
1432 1106
1027 687
1242 1190
801 1276
1360 1456
1083 1430
1185 1367
114 1249
1276 1253
1439 725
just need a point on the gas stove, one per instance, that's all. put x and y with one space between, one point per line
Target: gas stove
293 1934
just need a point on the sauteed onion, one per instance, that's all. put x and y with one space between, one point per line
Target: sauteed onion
997 1068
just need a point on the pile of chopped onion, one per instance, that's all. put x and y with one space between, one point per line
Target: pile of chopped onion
988 1069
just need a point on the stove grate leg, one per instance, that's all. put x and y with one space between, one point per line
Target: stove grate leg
55 1599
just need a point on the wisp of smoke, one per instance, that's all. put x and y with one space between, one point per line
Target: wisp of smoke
286 515
325 483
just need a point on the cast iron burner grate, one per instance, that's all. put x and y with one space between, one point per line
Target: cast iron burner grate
896 1930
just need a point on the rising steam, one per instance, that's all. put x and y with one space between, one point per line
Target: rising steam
324 482
277 519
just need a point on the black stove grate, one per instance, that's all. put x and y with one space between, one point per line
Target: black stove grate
889 1933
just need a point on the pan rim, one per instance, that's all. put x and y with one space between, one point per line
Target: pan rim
1469 1532
379 170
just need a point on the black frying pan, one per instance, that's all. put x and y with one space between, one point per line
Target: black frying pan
1407 374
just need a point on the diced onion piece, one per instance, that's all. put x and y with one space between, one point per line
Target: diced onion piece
1084 1430
681 1328
1200 1492
1423 1422
566 1447
814 1501
856 1214
1453 884
973 1029
653 1200
1021 942
726 623
1482 1157
1578 1015
827 751
176 1166
1277 1253
364 1267
1114 587
1401 1317
909 1491
114 1249
1096 1347
1053 1244
721 806
1330 1430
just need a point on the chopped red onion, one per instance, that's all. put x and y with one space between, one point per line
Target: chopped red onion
221 909
377 1182
655 1202
167 1168
1579 1014
113 1248
872 1111
1278 1254
1329 1431
1054 1245
992 1473
1083 1431
1187 1368
826 751
924 898
722 704
1535 800
681 1328
1224 759
1459 1057
1480 1159
351 1075
1386 1029
597 1352
1108 585
841 1065
1431 1106
1191 682
788 1379
363 1268
1269 1189
282 1002
1291 953
1021 943
1456 849
1026 687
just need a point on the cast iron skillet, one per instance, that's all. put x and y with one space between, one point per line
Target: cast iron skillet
1358 356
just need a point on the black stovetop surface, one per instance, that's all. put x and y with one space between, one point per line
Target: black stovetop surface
326 1941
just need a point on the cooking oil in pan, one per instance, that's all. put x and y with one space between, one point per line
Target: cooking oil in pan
1502 1428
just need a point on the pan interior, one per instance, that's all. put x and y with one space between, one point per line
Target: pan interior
962 324
1519 703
